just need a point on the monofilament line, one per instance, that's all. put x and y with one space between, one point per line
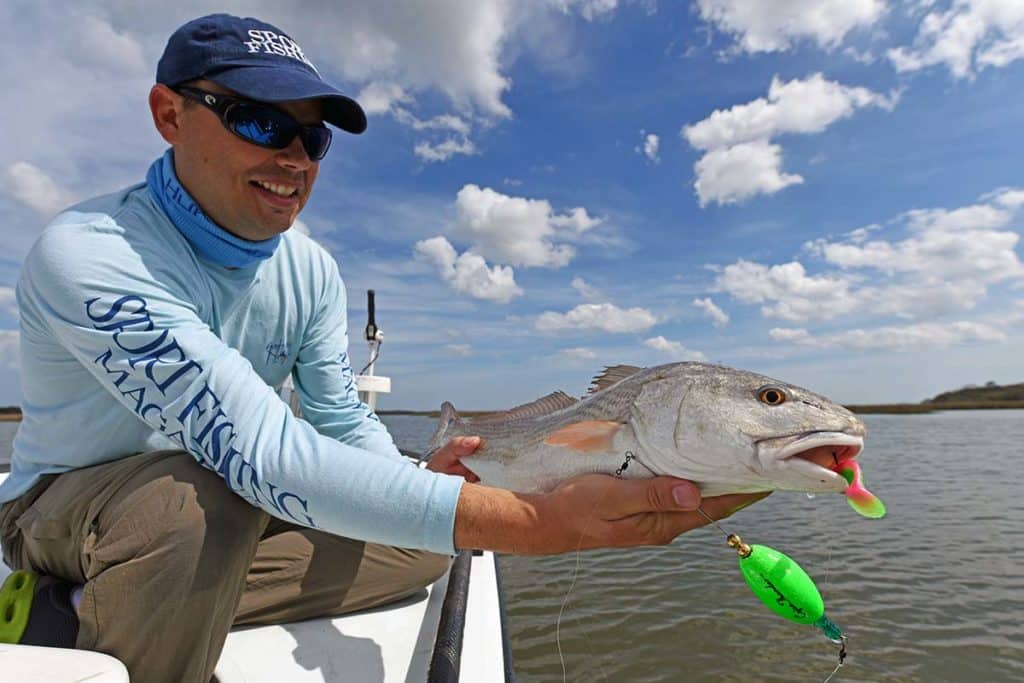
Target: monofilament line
712 521
572 585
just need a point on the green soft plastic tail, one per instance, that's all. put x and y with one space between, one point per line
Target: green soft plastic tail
15 605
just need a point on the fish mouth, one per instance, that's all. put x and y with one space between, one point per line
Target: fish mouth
818 456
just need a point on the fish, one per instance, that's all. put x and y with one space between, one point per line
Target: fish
728 430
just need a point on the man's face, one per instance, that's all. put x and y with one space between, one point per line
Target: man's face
251 191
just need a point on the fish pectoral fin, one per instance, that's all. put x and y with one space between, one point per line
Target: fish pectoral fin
589 436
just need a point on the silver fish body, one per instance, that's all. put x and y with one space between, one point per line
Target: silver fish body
729 430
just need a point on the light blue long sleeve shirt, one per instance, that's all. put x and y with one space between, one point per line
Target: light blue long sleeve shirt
130 342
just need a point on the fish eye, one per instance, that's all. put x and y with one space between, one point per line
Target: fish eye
772 396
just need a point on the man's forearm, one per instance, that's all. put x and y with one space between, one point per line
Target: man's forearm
499 520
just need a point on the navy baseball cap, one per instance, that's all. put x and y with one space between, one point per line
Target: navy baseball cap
255 59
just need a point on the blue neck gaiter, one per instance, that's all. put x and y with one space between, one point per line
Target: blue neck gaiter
211 241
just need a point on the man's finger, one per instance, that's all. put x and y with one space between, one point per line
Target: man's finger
465 445
660 494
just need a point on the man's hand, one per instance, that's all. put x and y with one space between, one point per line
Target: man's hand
446 459
588 511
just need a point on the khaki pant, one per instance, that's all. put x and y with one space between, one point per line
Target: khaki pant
171 560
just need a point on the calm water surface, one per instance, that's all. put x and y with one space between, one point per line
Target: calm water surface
933 592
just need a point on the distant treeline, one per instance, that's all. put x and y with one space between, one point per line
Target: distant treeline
991 396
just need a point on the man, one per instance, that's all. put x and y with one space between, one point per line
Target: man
160 491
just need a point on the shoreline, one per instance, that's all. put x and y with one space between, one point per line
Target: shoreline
865 409
13 413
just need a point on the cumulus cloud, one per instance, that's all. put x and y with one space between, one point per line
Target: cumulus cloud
516 230
381 98
946 262
649 148
968 36
901 338
8 302
468 272
774 25
739 158
719 318
672 348
445 150
31 186
787 291
10 353
101 45
588 9
605 317
586 290
579 353
734 174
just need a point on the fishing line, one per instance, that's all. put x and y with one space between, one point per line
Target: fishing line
629 457
572 585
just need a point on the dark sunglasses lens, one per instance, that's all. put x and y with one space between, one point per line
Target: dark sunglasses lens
316 140
269 127
264 126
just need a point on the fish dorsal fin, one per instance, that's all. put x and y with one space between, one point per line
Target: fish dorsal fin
611 375
545 405
447 418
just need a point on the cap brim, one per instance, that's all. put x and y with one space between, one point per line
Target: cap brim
276 84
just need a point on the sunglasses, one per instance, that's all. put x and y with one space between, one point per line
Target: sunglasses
262 124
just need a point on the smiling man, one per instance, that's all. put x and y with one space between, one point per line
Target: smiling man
161 492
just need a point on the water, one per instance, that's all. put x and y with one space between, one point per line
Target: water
934 592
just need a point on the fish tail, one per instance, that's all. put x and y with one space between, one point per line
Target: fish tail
448 416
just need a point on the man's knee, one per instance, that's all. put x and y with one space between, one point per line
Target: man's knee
428 567
176 504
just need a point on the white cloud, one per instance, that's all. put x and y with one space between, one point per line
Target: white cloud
735 174
789 334
946 264
8 301
586 290
31 186
579 353
517 230
589 9
379 97
968 36
901 338
101 45
719 318
468 272
774 25
445 150
9 349
674 349
441 122
739 158
650 147
604 317
789 292
460 349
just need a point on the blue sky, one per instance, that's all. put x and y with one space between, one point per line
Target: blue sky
825 191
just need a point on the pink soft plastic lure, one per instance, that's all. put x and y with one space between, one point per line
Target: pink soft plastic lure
859 498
